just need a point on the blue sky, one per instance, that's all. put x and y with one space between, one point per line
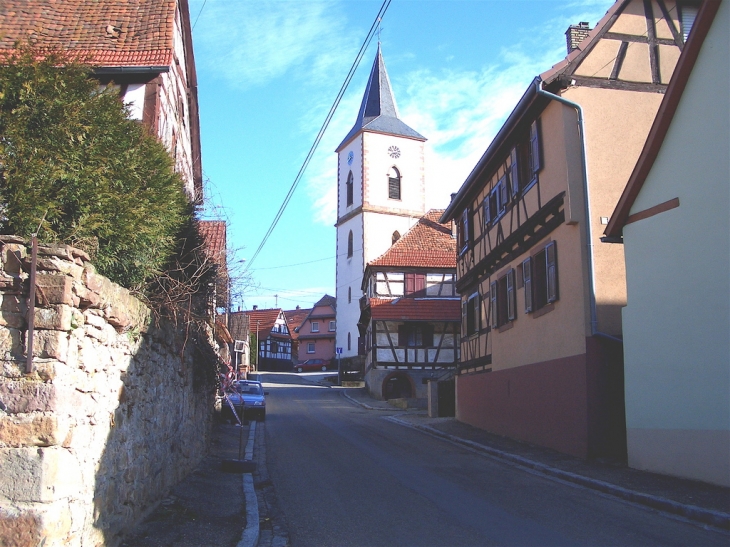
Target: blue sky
268 72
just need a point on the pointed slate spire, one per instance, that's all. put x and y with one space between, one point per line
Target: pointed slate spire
378 111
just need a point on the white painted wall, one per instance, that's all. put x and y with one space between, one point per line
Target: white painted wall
677 322
372 231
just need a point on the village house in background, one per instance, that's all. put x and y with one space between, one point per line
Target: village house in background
673 214
294 318
411 314
143 47
380 196
316 333
270 330
541 350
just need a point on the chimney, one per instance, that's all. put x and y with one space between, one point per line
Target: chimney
255 308
576 34
298 307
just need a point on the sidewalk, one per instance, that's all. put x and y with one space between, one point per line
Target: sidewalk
209 507
693 500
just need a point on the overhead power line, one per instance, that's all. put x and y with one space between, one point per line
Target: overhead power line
333 108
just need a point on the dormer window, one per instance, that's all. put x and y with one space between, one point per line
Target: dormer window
396 237
394 183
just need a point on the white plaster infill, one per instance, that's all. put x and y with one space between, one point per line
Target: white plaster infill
709 517
250 536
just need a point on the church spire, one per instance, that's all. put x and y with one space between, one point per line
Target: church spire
378 111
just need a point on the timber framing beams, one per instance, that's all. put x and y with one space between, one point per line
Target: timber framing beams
542 223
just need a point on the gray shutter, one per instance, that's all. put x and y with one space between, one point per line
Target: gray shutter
485 207
514 174
535 160
503 194
527 281
463 318
493 303
551 259
511 303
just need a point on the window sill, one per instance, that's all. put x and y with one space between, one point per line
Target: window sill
506 326
542 311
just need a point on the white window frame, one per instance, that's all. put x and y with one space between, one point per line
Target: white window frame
315 326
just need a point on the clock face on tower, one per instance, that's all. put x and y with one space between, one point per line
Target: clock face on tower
394 152
350 157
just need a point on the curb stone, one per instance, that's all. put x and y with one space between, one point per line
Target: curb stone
369 407
691 512
250 536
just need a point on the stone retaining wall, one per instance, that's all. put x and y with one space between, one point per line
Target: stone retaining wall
115 413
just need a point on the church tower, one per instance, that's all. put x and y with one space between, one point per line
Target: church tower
380 194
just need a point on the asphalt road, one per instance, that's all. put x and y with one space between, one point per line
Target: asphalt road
344 476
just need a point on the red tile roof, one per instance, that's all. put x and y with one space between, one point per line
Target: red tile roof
102 32
214 236
294 319
261 321
428 244
415 309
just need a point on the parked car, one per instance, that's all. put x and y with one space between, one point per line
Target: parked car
311 365
248 399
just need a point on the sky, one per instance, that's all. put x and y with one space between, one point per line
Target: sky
269 71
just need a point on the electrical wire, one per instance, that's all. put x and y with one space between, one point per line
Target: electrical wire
328 118
201 11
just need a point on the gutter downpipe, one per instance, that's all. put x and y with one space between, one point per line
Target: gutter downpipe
586 189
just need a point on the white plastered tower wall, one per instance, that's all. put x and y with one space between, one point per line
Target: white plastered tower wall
378 142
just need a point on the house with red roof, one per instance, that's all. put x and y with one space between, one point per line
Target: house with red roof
294 318
273 339
411 313
214 241
317 331
144 47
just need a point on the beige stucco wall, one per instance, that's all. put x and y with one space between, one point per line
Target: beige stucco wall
616 124
676 324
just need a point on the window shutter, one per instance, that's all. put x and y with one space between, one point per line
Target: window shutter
527 281
503 194
469 226
410 284
428 336
419 284
485 207
493 303
514 174
551 266
511 303
535 159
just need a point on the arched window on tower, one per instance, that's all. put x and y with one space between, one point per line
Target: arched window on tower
349 341
349 189
349 294
396 237
394 183
349 245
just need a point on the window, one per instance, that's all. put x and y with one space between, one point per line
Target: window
315 326
349 188
495 204
332 326
396 237
349 294
389 284
349 245
463 231
274 347
540 278
470 313
415 284
310 347
687 15
502 300
526 160
349 341
394 183
415 335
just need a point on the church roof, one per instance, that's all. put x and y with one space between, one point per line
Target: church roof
378 111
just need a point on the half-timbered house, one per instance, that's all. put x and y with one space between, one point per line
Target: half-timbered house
274 344
410 313
541 347
143 47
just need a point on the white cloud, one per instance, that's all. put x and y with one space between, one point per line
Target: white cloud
252 43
